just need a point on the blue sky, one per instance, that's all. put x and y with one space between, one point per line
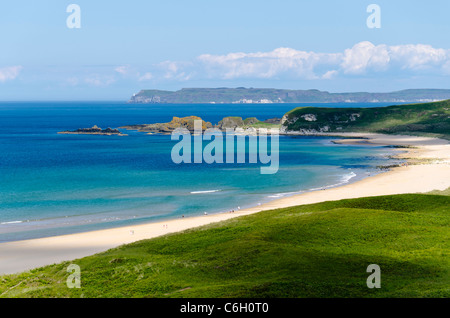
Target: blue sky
125 46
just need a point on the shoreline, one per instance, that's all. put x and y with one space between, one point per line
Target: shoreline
428 169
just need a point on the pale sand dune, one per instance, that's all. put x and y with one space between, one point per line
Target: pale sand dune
433 174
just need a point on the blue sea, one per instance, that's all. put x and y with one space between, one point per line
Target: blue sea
52 184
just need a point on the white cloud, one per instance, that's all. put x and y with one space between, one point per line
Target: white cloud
363 59
9 73
419 56
99 81
281 61
330 74
364 56
180 71
124 69
147 76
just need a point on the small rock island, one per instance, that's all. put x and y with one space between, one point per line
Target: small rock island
249 125
94 131
169 127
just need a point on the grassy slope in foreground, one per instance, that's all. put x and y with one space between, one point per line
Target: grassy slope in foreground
424 119
318 250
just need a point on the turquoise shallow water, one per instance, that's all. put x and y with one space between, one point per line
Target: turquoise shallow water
54 184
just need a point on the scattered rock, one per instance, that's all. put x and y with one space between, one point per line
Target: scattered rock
309 117
95 130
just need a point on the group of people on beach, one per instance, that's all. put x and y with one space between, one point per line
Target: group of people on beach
232 211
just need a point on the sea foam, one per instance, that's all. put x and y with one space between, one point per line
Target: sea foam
206 191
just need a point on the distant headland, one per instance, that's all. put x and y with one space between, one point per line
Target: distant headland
270 95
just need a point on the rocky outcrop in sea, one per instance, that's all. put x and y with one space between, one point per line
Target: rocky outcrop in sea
95 130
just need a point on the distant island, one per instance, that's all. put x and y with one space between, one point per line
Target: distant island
93 131
270 95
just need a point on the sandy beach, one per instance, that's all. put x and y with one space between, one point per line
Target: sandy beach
428 169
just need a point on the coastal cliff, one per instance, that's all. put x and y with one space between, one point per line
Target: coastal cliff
426 119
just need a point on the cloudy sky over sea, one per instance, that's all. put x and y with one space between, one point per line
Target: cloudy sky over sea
120 47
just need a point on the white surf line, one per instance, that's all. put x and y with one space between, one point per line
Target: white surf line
206 191
11 222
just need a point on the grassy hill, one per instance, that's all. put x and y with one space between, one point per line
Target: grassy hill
431 119
317 250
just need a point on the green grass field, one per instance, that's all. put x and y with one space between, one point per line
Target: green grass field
318 250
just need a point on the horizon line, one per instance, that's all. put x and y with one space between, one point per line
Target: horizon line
221 87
